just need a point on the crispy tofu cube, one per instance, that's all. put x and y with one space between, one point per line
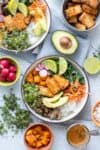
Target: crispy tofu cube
89 10
73 11
80 26
87 20
76 1
93 3
73 19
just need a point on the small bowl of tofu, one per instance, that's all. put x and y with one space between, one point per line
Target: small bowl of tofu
81 15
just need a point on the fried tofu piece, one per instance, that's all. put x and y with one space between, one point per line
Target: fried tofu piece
19 21
45 91
73 19
52 85
80 26
92 3
8 21
61 81
76 1
87 20
73 11
89 10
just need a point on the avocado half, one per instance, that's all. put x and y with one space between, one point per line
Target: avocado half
56 38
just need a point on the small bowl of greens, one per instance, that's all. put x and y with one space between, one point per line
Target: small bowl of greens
24 24
55 89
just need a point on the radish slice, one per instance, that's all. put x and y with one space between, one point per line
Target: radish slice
1 18
43 73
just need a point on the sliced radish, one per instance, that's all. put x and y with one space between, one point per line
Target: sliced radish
43 73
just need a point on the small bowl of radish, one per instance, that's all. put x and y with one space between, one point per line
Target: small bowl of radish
9 71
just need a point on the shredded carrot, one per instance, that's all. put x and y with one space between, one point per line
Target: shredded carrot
75 91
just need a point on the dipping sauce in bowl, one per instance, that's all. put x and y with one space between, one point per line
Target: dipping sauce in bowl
78 135
38 137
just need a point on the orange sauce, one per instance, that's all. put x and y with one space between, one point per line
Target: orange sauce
78 135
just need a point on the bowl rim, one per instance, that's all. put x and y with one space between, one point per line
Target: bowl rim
42 38
49 145
65 118
71 26
97 123
18 73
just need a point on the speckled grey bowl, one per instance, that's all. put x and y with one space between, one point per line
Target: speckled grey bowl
74 29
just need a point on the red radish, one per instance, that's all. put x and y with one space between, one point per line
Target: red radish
4 63
2 79
4 72
43 73
12 68
11 76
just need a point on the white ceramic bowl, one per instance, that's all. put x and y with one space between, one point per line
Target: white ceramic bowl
48 16
82 103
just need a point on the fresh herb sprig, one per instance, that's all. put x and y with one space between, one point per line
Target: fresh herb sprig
13 116
72 74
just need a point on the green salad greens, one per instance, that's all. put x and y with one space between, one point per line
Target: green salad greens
31 93
16 40
72 74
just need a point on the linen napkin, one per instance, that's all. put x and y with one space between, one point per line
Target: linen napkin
48 49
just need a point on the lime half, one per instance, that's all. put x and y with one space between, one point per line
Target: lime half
62 65
51 65
23 9
92 65
12 6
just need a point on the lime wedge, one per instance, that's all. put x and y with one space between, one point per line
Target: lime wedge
92 65
12 6
51 65
23 9
62 65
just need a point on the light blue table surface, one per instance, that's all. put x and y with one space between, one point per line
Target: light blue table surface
16 143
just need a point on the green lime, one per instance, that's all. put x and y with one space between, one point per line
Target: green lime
12 6
23 9
51 65
62 65
92 65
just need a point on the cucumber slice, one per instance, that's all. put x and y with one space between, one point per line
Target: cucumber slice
92 65
63 65
51 65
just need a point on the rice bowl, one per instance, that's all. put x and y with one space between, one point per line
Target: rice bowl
64 111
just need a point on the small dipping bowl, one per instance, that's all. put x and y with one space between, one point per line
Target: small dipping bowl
78 136
95 121
46 128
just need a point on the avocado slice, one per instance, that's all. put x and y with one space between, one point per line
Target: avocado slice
40 27
53 99
64 42
62 101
